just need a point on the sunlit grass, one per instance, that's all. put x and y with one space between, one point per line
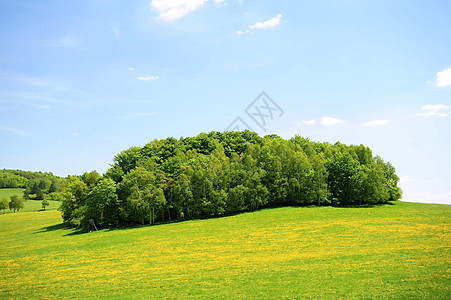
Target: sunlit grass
394 251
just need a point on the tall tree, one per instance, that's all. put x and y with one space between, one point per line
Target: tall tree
343 179
45 203
26 195
142 194
42 185
102 204
53 187
39 195
35 188
16 203
74 196
128 159
4 204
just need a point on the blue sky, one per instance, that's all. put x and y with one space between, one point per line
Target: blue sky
83 80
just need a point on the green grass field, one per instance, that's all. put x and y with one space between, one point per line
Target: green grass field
399 251
30 205
6 193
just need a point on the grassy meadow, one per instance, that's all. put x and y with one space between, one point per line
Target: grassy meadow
29 205
400 251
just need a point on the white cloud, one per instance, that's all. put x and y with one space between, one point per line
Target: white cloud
329 121
268 23
13 130
261 25
147 78
131 69
239 32
175 9
444 78
309 122
377 123
433 111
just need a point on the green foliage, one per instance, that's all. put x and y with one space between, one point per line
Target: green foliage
102 204
35 188
4 204
223 173
142 194
56 196
36 184
11 180
53 187
26 195
39 195
74 195
29 205
45 203
90 178
16 203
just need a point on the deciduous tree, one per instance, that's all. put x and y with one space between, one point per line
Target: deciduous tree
4 204
16 203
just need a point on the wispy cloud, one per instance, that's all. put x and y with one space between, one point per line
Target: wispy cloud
148 78
376 123
433 111
14 130
329 121
42 92
262 25
175 9
444 78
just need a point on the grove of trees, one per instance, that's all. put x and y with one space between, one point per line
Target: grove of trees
37 185
223 173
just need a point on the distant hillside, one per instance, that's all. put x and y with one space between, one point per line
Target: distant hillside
36 184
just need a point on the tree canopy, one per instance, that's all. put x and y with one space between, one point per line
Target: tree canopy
221 173
37 185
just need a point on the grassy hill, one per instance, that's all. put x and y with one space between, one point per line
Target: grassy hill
395 251
30 205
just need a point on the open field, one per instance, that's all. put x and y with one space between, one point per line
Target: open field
30 205
6 193
395 251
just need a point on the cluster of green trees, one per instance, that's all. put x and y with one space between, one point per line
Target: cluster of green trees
37 185
15 203
222 173
10 180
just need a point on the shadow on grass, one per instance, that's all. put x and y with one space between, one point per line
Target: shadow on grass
230 214
58 227
129 226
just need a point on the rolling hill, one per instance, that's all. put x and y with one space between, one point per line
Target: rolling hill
394 251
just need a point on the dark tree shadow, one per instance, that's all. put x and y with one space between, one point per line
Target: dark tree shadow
57 227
